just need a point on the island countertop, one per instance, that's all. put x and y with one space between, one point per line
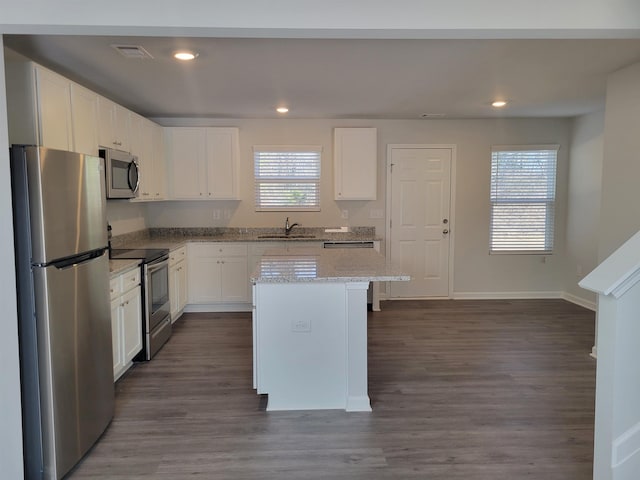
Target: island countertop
312 264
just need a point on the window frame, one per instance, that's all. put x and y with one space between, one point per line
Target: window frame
261 180
548 200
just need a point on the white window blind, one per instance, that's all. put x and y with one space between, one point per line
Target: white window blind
523 194
287 177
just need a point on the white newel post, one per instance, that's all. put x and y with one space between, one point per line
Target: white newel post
617 420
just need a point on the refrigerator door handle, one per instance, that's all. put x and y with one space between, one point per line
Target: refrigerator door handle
78 259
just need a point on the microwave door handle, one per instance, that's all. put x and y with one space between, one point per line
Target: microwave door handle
134 187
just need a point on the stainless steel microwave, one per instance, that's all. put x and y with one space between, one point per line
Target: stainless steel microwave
121 173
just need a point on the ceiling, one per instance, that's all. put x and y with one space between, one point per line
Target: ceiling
340 78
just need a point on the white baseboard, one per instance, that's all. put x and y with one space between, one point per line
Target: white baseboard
505 295
218 307
579 301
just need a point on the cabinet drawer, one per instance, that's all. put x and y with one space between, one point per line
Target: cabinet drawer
130 279
217 249
115 287
177 255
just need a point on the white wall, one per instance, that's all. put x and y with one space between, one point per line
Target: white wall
476 274
620 210
583 209
125 217
10 411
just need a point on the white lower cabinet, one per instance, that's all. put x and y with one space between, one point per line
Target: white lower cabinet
177 282
217 274
126 320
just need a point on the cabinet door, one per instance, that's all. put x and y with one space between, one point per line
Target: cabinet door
116 337
121 127
106 121
186 152
177 289
84 114
204 278
140 141
174 292
131 324
54 103
355 163
234 282
222 163
113 125
181 279
159 188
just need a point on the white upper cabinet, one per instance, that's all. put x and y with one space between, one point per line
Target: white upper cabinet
203 162
159 190
355 163
84 114
113 125
186 154
53 94
146 140
223 154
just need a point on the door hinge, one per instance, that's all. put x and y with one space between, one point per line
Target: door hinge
392 167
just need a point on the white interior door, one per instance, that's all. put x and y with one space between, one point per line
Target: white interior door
419 219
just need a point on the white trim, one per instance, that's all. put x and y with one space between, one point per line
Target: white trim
287 148
569 297
594 352
219 307
507 295
523 148
452 204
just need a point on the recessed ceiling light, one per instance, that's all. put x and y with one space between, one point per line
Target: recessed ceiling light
282 109
184 55
499 103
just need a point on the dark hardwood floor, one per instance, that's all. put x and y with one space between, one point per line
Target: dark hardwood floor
459 390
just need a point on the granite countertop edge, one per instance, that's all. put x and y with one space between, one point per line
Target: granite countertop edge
174 238
118 267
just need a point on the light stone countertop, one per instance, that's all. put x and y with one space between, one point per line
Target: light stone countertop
324 265
116 267
173 238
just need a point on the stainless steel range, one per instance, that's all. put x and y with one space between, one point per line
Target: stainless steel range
156 315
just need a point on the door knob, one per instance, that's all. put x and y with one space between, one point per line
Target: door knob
445 231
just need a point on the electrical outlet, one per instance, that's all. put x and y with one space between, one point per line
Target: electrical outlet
301 325
216 214
345 214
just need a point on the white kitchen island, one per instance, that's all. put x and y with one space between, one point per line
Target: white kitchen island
310 326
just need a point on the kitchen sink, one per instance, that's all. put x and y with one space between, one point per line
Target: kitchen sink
284 237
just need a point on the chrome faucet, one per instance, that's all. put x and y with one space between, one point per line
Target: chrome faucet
287 227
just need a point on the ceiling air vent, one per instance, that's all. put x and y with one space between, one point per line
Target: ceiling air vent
132 51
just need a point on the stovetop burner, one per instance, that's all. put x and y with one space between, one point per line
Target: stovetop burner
146 254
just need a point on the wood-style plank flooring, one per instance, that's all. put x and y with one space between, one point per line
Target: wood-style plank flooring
459 389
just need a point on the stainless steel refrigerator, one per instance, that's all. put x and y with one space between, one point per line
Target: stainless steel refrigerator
64 313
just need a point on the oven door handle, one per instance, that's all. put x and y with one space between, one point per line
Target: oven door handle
155 266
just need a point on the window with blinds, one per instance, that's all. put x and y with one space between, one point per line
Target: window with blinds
287 178
523 196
